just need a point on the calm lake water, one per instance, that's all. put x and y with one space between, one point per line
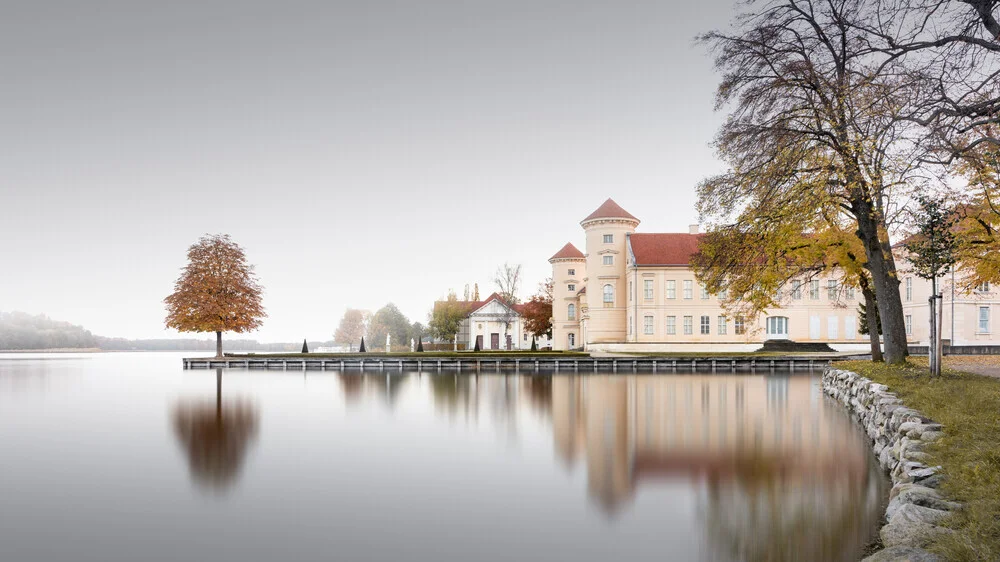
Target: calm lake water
111 457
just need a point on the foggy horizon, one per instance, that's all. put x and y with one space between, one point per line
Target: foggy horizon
360 153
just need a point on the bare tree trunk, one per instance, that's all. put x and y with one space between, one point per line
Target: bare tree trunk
940 334
872 306
932 344
218 344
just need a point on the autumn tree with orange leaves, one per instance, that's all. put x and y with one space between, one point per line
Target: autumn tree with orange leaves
216 292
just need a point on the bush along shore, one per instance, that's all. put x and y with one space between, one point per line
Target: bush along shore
900 436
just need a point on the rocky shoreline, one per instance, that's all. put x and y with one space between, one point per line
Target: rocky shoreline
899 436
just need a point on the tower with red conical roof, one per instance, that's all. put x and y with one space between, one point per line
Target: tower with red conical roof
569 272
607 283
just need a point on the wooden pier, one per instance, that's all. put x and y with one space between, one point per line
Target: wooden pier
521 364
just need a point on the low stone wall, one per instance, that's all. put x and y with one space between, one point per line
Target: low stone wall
899 436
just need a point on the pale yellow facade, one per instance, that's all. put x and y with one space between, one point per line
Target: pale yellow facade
611 298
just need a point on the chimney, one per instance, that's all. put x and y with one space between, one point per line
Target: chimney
693 229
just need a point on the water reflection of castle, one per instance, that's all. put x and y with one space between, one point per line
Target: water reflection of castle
715 428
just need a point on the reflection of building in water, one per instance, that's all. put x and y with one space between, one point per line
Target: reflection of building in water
715 428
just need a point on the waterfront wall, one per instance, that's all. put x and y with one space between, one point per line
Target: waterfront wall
899 437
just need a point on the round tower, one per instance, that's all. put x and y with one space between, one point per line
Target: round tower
607 285
569 269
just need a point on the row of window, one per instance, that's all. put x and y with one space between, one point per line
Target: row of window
832 290
908 293
704 326
984 321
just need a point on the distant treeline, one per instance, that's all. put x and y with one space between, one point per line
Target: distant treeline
22 331
122 344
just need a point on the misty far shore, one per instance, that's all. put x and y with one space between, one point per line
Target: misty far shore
23 332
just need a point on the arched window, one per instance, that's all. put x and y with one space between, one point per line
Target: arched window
609 296
571 311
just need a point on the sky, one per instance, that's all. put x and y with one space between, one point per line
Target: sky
361 152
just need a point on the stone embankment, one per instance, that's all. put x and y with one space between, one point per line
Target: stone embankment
899 437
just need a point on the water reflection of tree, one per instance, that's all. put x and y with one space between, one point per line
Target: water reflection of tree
454 393
539 391
215 436
763 513
387 386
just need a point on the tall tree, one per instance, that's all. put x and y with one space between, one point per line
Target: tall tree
352 327
932 251
388 320
537 312
508 282
446 318
216 292
850 99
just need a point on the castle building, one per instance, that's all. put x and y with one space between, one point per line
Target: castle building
631 291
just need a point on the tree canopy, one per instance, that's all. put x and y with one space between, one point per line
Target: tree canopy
537 312
216 292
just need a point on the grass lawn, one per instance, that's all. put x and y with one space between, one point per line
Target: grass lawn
969 453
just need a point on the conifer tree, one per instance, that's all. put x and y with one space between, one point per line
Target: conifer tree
362 348
420 345
305 347
476 348
534 346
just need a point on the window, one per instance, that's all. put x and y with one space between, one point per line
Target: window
797 290
572 341
909 289
525 336
671 325
571 311
814 289
849 293
629 291
738 327
571 287
831 289
609 238
832 327
647 289
722 325
723 294
609 260
571 272
688 325
671 289
778 325
706 325
850 328
908 321
704 293
647 325
609 296
983 287
984 319
688 289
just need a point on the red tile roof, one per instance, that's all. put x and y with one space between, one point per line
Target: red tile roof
472 306
568 251
609 210
664 248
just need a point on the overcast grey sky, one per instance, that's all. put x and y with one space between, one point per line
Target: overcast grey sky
361 152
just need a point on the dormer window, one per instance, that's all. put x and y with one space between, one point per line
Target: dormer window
571 287
609 238
571 272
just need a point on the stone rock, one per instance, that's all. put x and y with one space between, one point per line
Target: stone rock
903 554
915 494
931 435
913 525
